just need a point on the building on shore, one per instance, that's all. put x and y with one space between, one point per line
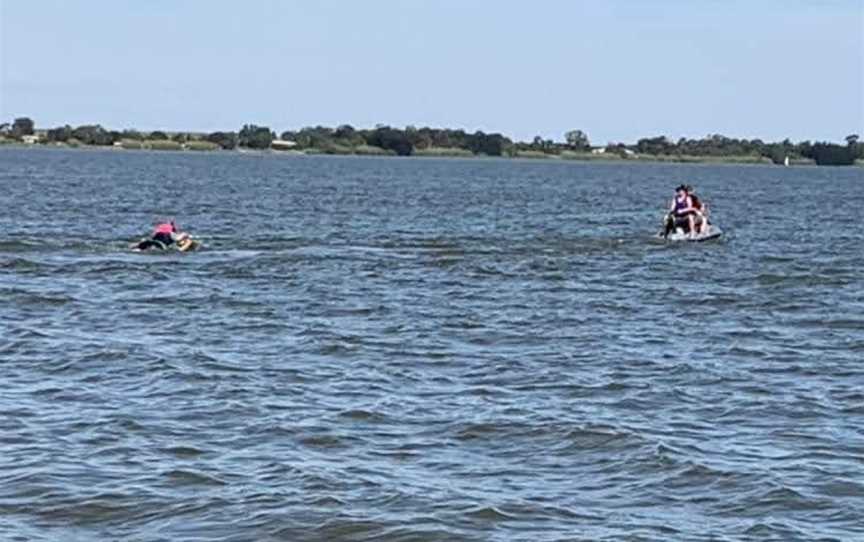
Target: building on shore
283 145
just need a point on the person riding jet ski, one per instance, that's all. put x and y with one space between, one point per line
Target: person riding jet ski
701 208
164 235
686 212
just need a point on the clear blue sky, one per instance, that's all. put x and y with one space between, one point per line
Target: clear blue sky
617 69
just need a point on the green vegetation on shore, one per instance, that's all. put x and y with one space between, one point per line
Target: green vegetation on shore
411 141
453 152
156 145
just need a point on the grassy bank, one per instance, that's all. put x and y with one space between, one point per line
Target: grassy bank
689 159
371 150
666 158
802 162
588 156
162 145
535 155
151 144
202 146
344 150
330 149
442 152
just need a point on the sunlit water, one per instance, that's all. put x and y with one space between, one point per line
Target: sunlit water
413 349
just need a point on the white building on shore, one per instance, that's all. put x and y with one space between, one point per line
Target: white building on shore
283 145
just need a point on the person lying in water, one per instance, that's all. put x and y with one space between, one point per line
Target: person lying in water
165 233
686 212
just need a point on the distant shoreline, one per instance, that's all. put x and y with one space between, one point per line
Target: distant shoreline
383 140
567 156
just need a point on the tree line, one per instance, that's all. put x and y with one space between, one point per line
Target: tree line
346 139
822 153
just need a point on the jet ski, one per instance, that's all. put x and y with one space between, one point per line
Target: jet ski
184 243
678 234
669 232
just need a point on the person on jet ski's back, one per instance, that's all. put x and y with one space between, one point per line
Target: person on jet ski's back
701 213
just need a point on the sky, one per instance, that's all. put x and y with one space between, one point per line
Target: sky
619 70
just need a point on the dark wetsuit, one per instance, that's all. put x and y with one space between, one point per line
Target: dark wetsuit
164 238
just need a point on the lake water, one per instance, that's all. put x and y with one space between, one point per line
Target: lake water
429 350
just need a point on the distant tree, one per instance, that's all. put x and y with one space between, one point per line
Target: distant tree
537 143
488 144
255 137
829 154
92 134
302 138
22 126
655 145
344 131
421 139
134 135
617 148
319 137
180 137
457 138
4 128
803 149
442 138
226 140
855 147
776 152
158 135
577 140
60 134
391 139
347 135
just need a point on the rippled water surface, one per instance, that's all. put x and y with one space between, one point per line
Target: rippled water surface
412 349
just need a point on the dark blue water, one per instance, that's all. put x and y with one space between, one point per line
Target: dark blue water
412 349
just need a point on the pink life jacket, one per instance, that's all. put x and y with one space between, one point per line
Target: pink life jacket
164 228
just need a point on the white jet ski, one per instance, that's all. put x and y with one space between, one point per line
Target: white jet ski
678 233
